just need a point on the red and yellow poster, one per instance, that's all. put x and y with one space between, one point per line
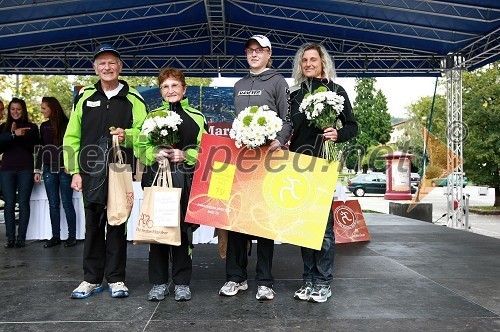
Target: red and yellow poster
278 195
348 222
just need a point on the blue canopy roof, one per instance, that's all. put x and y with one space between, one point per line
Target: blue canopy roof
207 38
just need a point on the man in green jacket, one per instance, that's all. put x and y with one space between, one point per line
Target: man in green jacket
109 107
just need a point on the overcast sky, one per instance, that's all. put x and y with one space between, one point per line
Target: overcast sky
400 91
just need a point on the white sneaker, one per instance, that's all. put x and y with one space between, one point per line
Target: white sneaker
264 293
304 292
118 289
85 289
230 288
320 294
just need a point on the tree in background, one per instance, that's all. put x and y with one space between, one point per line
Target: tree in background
413 142
481 115
372 115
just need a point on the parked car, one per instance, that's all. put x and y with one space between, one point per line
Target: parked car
415 179
374 183
367 183
443 182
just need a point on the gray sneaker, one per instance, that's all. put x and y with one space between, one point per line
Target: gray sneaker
182 293
158 292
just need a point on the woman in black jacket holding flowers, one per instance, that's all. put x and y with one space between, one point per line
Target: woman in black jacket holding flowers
313 68
181 156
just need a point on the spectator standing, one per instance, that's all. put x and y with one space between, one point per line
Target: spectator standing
16 171
50 167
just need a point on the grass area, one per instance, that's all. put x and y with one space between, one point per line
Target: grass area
485 208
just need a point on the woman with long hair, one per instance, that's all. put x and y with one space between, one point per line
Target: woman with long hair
313 69
16 171
50 167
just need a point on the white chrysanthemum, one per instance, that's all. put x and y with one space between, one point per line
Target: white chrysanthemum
254 126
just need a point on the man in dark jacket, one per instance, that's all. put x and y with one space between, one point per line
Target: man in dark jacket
109 107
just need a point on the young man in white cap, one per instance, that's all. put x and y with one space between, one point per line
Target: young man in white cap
261 86
109 107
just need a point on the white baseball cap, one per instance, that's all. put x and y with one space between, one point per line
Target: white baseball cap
261 39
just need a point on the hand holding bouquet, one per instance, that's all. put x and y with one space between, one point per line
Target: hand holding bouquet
254 126
161 127
322 108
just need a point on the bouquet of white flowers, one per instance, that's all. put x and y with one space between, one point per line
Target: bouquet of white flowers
322 108
254 126
161 126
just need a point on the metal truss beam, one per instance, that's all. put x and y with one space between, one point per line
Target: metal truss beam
20 4
483 50
72 21
453 67
351 22
445 9
213 65
217 23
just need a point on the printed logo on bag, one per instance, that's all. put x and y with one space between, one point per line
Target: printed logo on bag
344 217
93 103
130 199
250 93
146 220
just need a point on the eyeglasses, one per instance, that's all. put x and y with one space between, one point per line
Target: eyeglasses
173 87
256 50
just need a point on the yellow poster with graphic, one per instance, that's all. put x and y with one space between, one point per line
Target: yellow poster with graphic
278 195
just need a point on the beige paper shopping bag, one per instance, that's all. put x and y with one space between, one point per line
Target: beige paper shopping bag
120 188
161 193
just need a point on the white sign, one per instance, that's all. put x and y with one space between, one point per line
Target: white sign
166 208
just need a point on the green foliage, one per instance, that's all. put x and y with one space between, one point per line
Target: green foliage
373 158
481 115
370 109
421 112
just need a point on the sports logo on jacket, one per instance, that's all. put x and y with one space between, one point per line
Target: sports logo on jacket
250 93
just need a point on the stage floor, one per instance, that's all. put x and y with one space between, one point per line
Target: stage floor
412 276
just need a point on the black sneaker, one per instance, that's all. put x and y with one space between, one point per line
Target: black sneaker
10 244
20 244
70 242
52 242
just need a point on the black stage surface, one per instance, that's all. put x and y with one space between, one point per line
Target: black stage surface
412 276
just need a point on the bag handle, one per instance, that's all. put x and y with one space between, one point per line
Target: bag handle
164 175
117 151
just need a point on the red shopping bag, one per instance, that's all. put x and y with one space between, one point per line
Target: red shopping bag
348 222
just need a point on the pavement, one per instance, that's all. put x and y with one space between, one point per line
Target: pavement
488 225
